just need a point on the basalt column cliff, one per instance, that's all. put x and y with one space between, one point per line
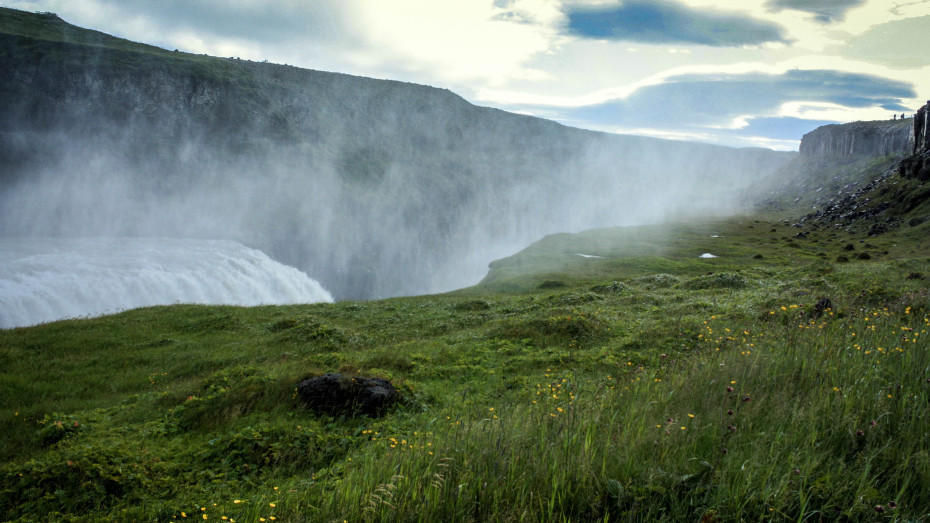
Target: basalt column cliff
918 165
878 138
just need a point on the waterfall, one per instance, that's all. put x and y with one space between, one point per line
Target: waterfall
44 279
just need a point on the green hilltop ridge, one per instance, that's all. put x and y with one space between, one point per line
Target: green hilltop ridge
610 375
45 39
49 27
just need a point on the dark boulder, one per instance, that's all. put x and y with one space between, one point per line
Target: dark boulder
822 305
340 394
879 228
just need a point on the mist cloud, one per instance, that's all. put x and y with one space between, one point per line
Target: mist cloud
415 194
374 188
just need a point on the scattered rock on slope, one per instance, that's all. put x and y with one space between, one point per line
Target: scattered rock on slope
340 394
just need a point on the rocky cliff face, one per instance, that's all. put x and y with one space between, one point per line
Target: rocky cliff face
918 164
375 188
877 138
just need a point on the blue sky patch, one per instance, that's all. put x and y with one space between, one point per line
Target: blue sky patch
824 11
667 22
716 99
781 128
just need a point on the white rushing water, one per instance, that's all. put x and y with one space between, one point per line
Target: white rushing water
44 280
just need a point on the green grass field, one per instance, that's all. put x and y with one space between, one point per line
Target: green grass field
649 384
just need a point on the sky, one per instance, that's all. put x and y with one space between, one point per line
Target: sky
743 73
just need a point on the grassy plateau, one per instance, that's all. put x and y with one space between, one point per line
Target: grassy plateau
639 382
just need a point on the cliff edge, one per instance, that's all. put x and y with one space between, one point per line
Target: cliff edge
918 164
877 138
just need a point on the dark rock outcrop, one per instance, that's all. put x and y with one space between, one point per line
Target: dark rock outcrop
340 394
918 164
922 129
822 305
874 152
877 138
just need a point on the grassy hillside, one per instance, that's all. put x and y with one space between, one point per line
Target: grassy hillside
648 384
30 38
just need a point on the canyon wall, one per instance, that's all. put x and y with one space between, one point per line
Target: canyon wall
877 138
918 164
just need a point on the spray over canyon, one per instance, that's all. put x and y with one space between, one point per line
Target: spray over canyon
374 188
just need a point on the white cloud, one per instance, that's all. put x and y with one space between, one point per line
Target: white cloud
830 111
459 41
621 92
